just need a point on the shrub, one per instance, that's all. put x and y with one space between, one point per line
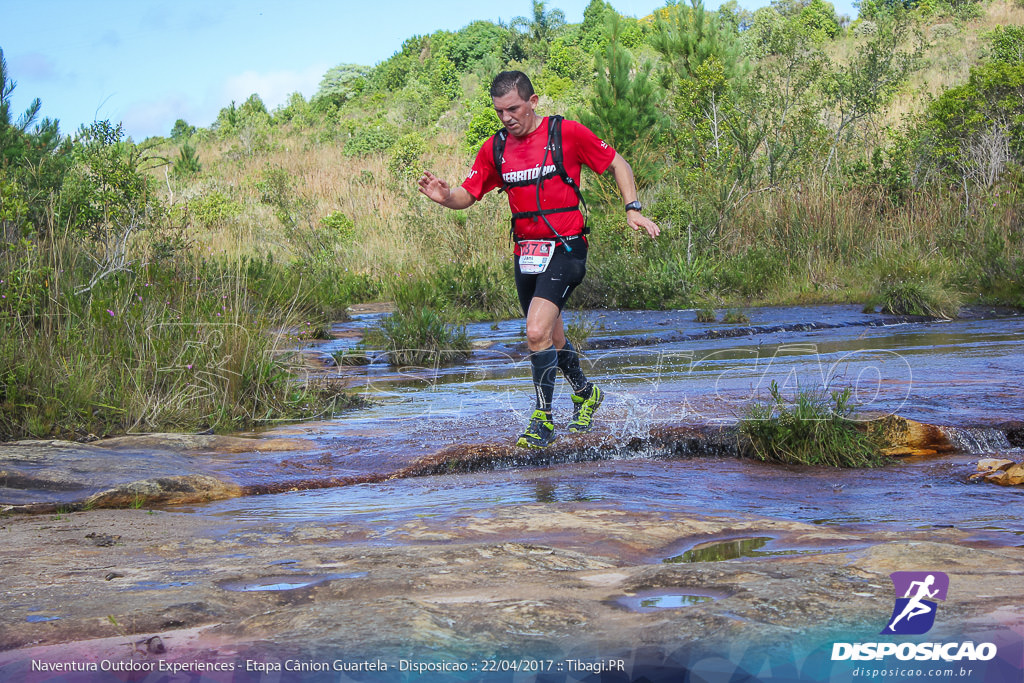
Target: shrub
814 429
340 228
405 156
187 164
215 208
369 141
483 123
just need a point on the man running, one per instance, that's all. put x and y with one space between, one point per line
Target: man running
541 176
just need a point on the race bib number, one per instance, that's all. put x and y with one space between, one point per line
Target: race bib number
535 255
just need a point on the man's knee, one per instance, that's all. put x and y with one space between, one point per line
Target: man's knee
537 334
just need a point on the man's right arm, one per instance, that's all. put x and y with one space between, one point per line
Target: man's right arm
440 192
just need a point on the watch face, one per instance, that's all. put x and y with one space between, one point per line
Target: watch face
635 206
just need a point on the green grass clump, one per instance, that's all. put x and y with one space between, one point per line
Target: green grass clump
908 286
735 318
813 429
419 336
578 331
706 315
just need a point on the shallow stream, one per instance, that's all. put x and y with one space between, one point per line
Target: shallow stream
664 369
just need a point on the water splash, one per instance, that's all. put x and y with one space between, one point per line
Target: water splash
977 440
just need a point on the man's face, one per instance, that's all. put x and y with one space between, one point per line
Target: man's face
516 114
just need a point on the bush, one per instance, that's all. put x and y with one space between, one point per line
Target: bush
340 228
187 164
369 141
483 123
404 159
815 429
215 208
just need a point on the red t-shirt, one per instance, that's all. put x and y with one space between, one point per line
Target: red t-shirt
523 156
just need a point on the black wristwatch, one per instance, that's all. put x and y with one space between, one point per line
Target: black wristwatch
634 206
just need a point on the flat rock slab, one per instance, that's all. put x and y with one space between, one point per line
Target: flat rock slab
57 472
555 581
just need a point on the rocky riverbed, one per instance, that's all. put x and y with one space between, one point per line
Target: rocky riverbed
386 545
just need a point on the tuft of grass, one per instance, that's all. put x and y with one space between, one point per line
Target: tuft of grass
706 315
351 357
733 317
419 336
909 286
579 330
813 429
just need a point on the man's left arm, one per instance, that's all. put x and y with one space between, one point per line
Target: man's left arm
623 174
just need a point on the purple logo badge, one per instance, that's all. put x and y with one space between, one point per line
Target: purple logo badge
916 596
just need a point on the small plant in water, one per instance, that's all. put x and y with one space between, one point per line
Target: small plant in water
579 330
419 336
353 356
735 318
814 428
706 315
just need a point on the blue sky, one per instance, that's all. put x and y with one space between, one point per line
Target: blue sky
148 63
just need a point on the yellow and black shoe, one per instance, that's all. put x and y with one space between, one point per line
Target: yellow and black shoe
539 433
583 409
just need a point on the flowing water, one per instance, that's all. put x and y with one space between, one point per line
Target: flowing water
662 369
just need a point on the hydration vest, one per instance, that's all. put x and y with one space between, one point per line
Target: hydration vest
554 146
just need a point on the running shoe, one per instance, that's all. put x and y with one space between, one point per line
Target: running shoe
583 409
539 433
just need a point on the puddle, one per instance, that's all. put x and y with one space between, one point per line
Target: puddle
285 582
736 548
158 585
656 600
717 551
40 618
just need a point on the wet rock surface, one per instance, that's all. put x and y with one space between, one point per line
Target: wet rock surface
548 580
388 535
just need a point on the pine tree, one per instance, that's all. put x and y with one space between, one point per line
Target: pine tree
688 36
624 109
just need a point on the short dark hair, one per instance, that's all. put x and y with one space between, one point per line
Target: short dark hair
507 81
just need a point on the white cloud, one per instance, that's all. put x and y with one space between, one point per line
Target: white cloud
144 119
273 87
34 65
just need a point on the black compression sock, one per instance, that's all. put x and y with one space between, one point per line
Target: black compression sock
544 364
569 364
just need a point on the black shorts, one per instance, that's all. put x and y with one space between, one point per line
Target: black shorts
563 274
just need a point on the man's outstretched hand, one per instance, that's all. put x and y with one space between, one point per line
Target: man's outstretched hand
638 221
442 193
434 188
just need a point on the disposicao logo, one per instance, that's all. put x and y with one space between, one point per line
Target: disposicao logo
916 595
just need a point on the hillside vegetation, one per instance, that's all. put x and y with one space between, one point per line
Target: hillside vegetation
788 154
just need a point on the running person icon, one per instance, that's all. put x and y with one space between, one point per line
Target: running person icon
916 607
